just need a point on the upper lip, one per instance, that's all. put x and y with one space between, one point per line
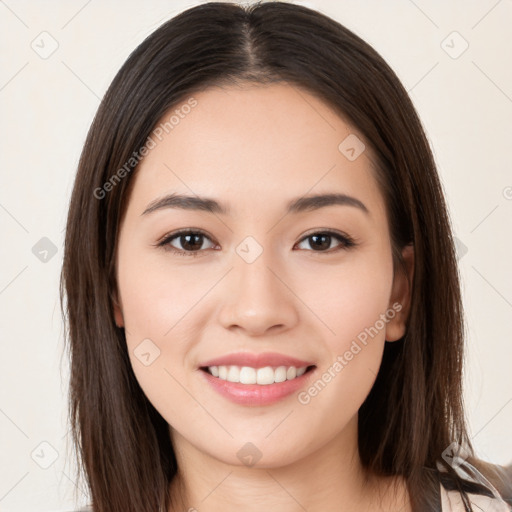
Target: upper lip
256 360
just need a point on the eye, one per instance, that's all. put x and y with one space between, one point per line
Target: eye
321 241
190 242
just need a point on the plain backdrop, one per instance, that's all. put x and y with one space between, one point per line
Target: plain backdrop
58 59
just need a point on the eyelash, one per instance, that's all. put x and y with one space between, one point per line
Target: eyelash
347 242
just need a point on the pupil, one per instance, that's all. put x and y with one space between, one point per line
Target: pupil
192 245
324 238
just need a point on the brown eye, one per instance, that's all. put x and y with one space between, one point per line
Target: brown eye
322 241
188 243
191 242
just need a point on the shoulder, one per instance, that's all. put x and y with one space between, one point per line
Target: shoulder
487 488
451 501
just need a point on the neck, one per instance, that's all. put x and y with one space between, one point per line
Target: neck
329 478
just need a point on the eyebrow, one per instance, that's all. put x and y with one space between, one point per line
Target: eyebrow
301 204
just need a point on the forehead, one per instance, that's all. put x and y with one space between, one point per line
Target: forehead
255 142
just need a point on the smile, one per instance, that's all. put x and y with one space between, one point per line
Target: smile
262 376
256 386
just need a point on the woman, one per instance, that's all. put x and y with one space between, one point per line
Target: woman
309 355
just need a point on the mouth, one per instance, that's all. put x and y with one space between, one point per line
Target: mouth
262 376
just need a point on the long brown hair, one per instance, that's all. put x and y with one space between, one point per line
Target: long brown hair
415 410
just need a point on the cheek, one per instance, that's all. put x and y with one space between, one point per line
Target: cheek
339 304
353 304
165 303
156 317
156 297
157 303
349 298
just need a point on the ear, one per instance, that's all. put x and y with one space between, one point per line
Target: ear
400 300
118 313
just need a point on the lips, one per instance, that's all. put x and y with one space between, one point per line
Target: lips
256 395
273 359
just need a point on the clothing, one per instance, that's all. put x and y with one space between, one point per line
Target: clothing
488 500
451 501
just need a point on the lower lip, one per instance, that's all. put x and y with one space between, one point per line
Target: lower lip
256 394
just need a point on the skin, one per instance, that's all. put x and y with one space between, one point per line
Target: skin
255 148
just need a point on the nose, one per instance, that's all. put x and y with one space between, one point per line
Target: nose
257 298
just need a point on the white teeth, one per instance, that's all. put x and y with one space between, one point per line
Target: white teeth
262 376
234 374
248 375
280 374
265 375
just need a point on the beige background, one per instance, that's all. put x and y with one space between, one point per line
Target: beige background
464 99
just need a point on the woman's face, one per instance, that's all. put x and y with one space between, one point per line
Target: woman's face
260 277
